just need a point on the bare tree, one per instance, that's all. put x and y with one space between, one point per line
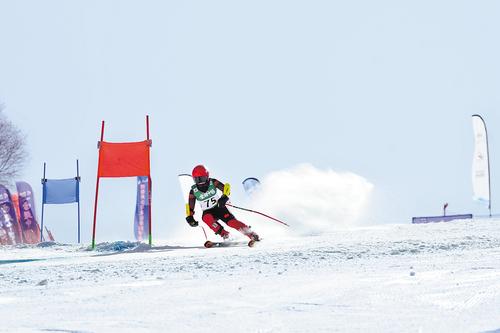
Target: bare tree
12 150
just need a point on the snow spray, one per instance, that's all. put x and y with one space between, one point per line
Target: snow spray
311 200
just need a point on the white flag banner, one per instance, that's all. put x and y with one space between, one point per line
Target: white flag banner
480 161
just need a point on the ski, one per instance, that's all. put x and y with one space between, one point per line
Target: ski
209 244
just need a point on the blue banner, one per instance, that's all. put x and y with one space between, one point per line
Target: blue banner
61 191
29 225
141 222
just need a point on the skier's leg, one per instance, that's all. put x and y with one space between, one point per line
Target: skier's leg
238 225
210 220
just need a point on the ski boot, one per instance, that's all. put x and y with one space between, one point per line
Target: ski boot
225 237
223 233
253 238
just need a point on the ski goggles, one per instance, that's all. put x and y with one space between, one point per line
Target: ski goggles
201 179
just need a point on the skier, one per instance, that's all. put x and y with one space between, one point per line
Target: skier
214 206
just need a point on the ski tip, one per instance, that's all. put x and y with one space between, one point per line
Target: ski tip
251 243
208 244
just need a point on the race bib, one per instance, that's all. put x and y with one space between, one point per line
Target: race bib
207 199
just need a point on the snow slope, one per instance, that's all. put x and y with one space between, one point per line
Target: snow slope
391 278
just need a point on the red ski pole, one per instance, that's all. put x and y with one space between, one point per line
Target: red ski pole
256 212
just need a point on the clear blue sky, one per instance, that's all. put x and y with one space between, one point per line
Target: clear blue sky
384 89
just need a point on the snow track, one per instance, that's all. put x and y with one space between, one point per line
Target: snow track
390 278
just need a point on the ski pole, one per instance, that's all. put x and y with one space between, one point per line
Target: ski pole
256 212
204 232
188 213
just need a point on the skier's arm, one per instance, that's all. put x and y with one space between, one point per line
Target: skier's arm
222 187
190 210
218 184
192 202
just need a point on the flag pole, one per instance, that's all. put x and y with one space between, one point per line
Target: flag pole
150 184
78 194
97 187
43 199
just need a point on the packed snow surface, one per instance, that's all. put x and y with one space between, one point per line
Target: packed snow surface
442 277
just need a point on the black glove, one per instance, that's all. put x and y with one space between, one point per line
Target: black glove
222 201
191 221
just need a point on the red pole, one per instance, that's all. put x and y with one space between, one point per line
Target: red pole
97 188
95 212
150 184
102 131
149 209
256 212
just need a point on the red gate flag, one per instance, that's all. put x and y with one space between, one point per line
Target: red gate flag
123 159
128 159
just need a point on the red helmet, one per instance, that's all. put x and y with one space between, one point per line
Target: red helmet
200 175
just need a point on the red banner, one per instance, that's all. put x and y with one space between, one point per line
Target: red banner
124 159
